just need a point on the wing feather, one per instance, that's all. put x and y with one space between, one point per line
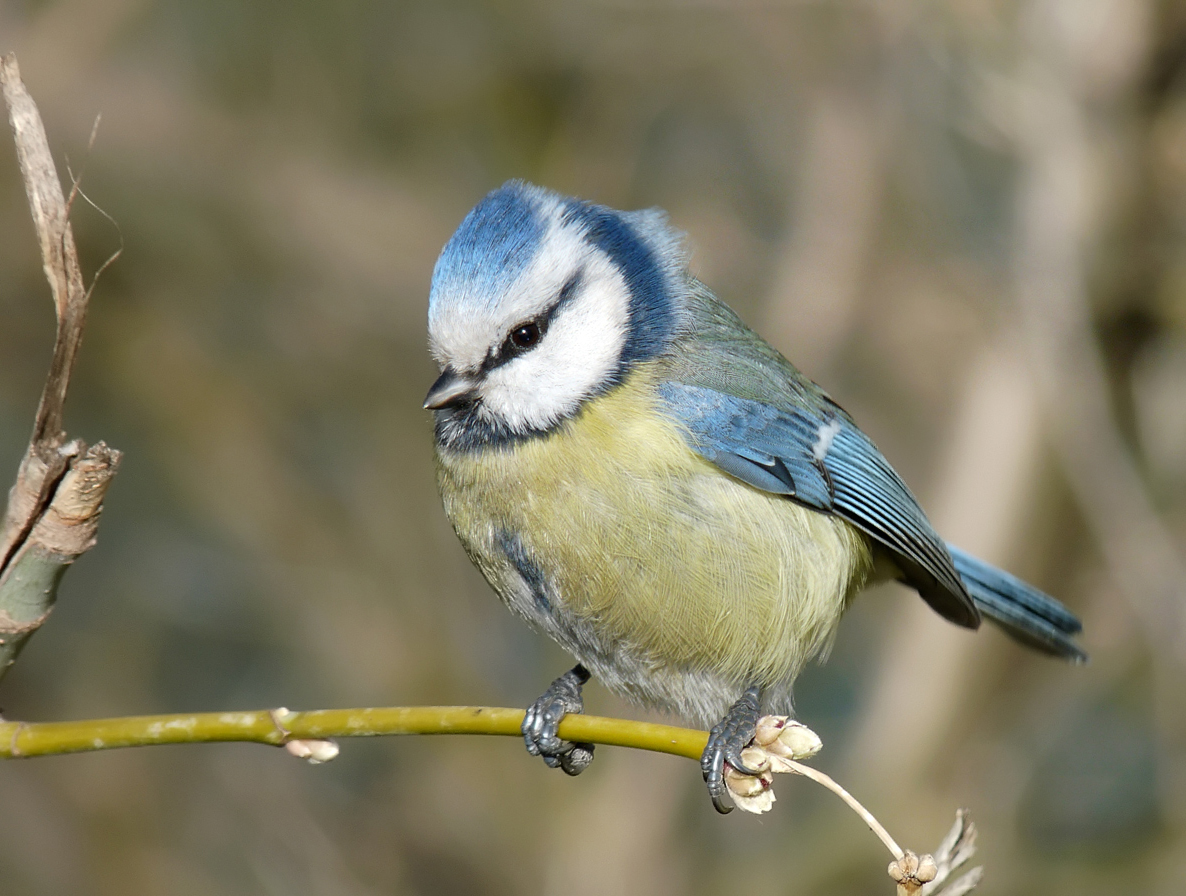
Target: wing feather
815 455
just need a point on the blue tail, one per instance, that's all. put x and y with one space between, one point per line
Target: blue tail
1033 618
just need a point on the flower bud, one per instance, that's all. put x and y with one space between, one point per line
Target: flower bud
927 869
768 729
756 758
749 793
795 741
316 751
912 871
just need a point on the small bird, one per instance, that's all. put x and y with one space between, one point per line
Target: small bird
646 480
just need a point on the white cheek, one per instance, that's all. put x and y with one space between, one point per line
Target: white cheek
576 356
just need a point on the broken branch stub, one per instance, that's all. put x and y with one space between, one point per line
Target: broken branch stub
54 504
65 531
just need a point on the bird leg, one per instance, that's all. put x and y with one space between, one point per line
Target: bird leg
725 743
543 717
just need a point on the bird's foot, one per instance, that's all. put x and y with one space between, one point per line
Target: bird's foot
725 743
543 718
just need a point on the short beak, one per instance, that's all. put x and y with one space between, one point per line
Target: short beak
450 389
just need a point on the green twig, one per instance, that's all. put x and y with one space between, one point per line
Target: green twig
20 740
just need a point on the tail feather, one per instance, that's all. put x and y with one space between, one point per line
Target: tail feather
1032 617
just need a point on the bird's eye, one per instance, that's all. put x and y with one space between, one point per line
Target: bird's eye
525 336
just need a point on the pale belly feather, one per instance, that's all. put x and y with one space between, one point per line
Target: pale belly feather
676 584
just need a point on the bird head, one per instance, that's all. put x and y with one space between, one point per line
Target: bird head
540 302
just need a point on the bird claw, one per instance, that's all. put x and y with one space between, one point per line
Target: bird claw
542 719
725 743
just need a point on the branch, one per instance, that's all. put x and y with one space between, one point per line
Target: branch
21 740
306 734
53 507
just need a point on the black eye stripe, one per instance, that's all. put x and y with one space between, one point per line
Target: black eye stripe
568 290
531 332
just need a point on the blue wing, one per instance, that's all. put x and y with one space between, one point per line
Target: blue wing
815 455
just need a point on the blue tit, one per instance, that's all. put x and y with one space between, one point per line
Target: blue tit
646 480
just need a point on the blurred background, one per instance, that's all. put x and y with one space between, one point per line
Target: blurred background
966 219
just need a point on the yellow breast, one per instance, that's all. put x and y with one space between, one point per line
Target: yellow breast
654 546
